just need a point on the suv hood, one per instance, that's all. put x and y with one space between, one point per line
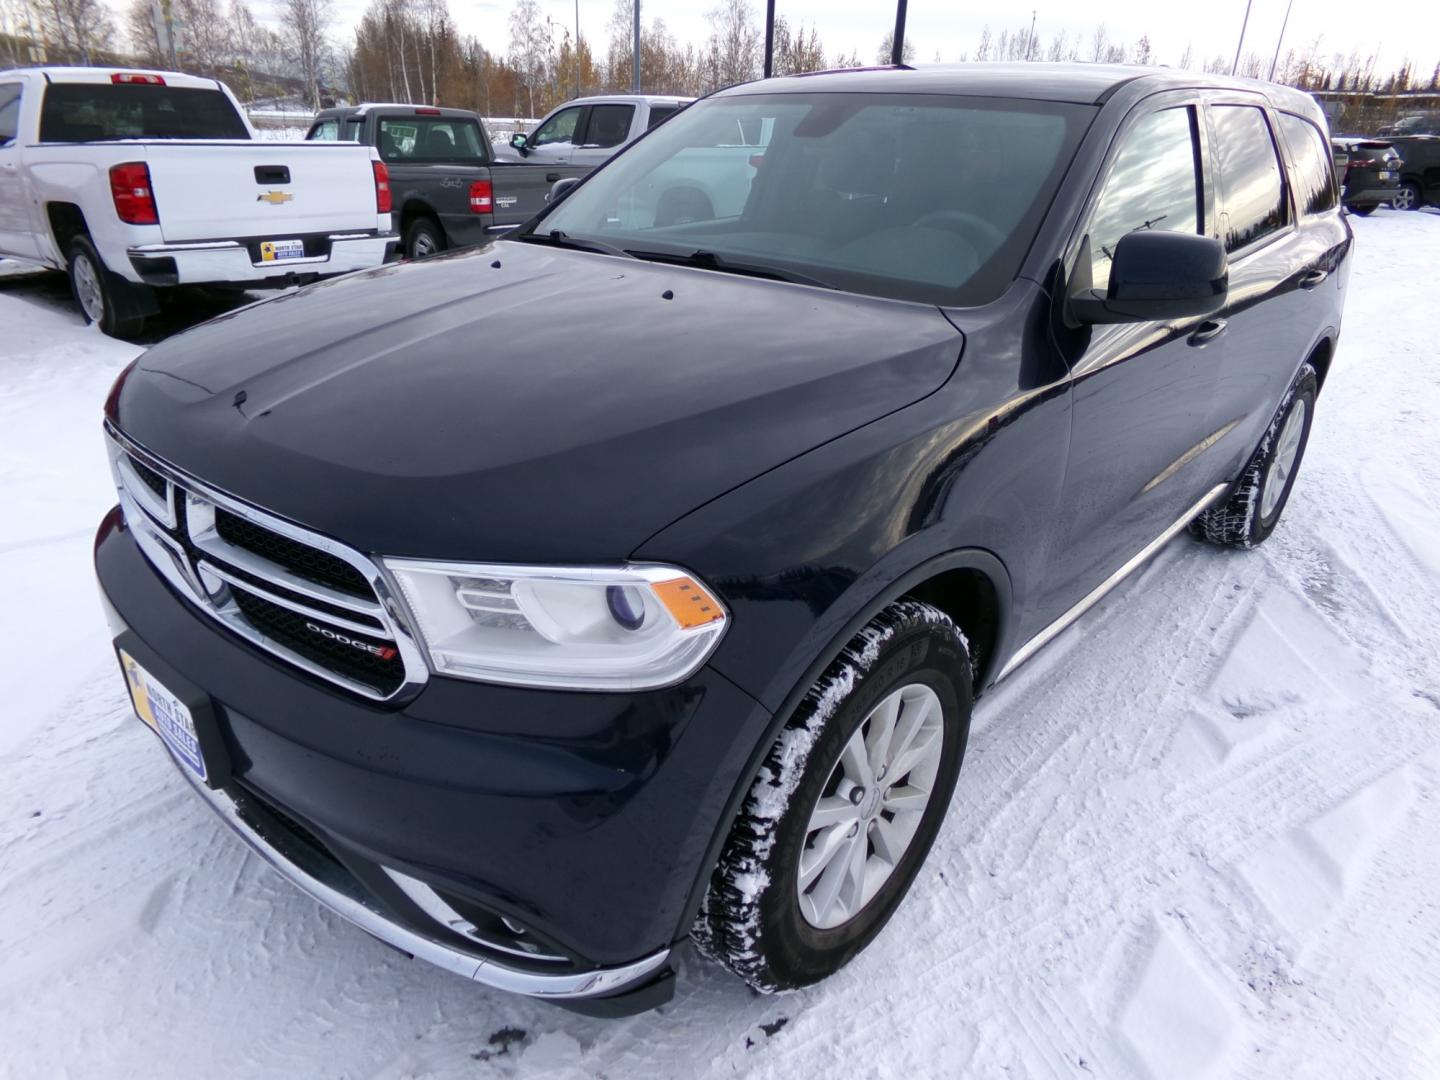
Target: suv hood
521 403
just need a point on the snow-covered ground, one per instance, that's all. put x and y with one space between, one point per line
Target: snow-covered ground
1196 838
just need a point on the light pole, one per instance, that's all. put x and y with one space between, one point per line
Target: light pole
1236 65
769 38
635 78
897 43
1280 40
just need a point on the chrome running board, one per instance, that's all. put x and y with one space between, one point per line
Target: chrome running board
1044 637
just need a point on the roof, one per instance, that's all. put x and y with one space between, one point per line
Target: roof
626 99
1089 84
102 74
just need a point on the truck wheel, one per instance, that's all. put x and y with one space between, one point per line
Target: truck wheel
1407 198
846 805
424 237
1254 507
104 298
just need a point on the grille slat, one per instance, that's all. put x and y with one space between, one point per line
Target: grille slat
343 631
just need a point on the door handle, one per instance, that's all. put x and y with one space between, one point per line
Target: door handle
551 177
1311 278
1207 332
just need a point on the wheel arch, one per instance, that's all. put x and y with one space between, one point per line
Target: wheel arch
949 581
67 221
416 207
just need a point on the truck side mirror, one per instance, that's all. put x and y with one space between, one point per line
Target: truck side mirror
1156 276
520 142
560 189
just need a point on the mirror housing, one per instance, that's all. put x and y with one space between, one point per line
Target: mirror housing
520 141
560 189
1158 276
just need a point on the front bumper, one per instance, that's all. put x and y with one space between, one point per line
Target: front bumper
235 261
588 819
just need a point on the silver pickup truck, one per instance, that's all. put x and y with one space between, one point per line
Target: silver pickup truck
589 131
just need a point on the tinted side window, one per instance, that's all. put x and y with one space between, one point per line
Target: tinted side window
559 128
325 131
1314 174
659 114
1249 174
1153 184
9 112
609 124
352 129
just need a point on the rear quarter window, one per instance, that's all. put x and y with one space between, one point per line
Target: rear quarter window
1250 175
1314 177
9 112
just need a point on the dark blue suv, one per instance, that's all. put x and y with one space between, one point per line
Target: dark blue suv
629 581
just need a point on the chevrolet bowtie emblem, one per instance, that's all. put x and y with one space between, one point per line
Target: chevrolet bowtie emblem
275 198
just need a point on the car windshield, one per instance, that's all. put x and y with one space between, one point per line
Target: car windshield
918 197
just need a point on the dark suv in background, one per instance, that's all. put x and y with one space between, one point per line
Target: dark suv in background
1420 172
539 654
1371 175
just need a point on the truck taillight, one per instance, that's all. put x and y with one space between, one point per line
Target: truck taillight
482 197
382 187
136 78
134 200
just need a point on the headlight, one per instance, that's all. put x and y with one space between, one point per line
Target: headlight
594 628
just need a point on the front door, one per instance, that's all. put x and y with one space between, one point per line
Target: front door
1144 424
553 142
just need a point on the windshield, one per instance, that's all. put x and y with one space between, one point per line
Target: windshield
917 197
95 112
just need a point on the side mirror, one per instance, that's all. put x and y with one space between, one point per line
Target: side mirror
519 141
1158 276
560 189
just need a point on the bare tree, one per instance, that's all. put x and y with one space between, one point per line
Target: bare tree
305 24
735 43
887 50
1187 58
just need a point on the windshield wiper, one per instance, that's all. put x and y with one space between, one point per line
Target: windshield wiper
708 260
557 238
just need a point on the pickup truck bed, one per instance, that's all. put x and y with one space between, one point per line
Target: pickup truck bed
137 180
449 191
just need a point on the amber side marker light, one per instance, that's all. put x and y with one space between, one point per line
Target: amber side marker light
688 601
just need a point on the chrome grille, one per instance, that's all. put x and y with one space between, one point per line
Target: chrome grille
301 596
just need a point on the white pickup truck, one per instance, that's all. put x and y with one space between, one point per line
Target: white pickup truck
138 180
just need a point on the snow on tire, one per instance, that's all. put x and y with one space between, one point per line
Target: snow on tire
894 709
1256 502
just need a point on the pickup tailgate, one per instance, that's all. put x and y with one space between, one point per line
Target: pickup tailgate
219 191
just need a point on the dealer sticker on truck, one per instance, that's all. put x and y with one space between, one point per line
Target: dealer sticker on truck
281 250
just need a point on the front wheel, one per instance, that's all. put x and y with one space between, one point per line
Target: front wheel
104 299
846 806
1407 198
1253 510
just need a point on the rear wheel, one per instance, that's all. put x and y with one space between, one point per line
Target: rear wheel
104 298
843 812
423 238
1253 510
1407 198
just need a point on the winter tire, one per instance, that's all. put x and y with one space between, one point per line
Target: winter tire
424 238
1255 504
1408 197
104 298
844 809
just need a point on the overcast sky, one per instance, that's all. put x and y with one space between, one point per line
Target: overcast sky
950 28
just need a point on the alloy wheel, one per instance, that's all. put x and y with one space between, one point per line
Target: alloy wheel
1404 199
87 289
1283 463
871 807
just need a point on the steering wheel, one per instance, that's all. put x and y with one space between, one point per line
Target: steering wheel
971 226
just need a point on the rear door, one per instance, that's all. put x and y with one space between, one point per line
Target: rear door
1282 292
17 232
607 128
1142 451
209 191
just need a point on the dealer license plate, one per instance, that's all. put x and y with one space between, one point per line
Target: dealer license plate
164 712
282 250
1384 174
